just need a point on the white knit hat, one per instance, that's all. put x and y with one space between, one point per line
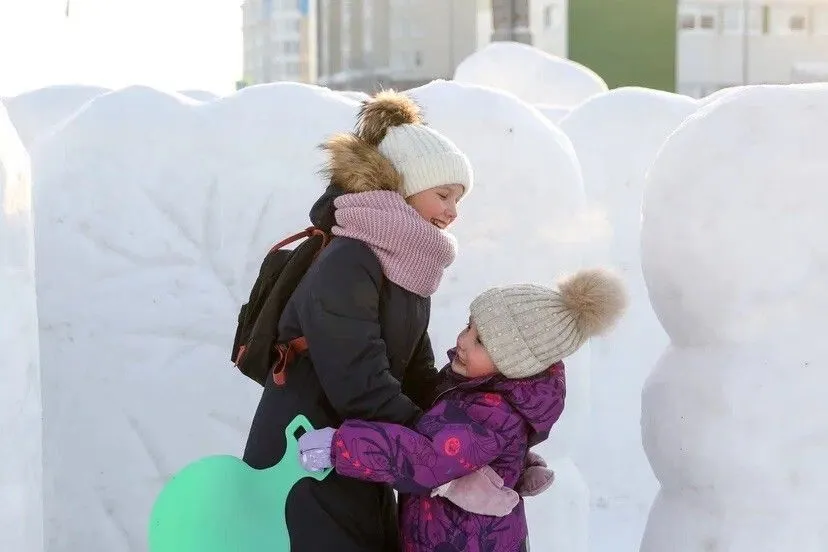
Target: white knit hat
425 158
527 328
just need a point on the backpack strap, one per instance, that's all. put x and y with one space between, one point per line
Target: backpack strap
306 233
286 353
240 349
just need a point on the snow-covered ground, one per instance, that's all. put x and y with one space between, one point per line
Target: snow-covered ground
21 506
152 212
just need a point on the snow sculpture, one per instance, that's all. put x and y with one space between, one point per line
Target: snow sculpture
21 481
616 136
154 214
531 74
553 112
37 113
734 254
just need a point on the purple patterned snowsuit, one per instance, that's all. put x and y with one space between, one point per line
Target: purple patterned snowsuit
474 422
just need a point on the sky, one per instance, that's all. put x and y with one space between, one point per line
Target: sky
167 44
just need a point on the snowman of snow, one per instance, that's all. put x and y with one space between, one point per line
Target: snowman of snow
735 255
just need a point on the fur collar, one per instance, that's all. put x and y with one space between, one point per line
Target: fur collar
356 166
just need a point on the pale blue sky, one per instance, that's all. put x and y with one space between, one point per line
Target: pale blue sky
169 44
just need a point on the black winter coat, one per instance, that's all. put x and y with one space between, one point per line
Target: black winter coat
369 357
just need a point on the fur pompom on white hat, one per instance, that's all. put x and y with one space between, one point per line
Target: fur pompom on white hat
393 149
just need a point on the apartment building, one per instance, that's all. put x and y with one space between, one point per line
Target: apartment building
279 41
367 44
541 23
725 43
720 43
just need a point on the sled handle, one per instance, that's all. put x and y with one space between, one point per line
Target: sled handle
292 448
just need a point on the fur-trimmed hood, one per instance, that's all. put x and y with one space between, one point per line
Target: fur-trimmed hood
354 162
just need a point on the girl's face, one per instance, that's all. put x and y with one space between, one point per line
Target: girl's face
438 205
471 358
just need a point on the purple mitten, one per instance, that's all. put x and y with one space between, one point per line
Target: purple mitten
315 449
480 492
536 477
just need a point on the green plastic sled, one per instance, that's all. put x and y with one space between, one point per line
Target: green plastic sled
220 504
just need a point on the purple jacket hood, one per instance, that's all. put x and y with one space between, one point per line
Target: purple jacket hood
529 397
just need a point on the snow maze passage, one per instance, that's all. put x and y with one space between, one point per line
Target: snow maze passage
136 222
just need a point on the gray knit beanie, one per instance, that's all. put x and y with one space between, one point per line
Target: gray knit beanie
526 328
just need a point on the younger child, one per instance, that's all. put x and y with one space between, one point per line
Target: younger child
501 393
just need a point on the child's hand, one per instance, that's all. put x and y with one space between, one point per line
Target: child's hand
315 449
536 477
481 492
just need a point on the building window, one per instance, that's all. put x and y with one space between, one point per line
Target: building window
703 19
707 21
549 17
786 21
798 23
687 21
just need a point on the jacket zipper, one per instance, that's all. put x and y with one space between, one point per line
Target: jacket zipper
457 386
437 398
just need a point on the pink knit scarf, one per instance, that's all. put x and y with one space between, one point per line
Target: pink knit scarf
412 252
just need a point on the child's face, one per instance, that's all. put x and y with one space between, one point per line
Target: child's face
438 205
471 358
